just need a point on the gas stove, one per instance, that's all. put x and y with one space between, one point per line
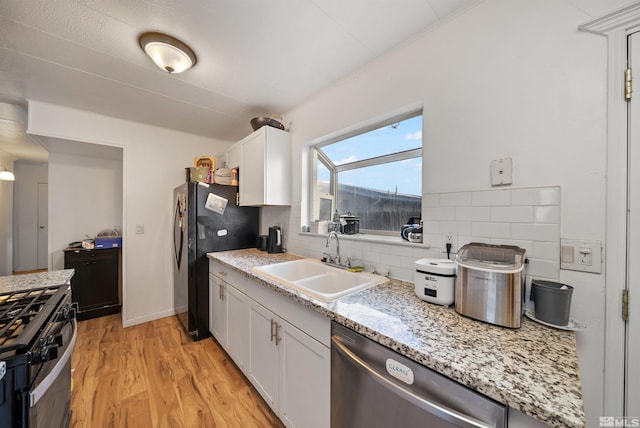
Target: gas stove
37 336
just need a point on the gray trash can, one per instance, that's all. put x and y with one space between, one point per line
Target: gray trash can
552 301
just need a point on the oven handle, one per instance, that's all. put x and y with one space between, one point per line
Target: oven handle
41 389
429 406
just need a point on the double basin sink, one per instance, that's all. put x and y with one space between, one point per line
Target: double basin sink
315 279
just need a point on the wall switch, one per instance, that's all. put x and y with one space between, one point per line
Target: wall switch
501 172
581 255
139 229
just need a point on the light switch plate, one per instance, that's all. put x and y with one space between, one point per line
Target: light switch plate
501 172
581 255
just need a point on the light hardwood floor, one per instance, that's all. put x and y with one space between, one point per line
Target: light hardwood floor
152 375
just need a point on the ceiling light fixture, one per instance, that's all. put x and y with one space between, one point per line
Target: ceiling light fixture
168 53
6 175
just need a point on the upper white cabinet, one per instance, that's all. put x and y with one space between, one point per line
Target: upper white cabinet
264 158
233 157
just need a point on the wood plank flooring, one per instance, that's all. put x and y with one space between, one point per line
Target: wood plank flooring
152 375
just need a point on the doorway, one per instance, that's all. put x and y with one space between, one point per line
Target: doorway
632 324
30 217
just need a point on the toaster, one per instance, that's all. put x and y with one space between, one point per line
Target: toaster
489 285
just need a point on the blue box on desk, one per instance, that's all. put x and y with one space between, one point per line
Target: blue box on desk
108 242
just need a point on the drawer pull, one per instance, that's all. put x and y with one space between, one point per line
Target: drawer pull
223 273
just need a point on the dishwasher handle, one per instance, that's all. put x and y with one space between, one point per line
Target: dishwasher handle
429 406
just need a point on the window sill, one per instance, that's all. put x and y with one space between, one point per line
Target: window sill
379 239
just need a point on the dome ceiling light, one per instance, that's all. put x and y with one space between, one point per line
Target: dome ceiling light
6 175
168 53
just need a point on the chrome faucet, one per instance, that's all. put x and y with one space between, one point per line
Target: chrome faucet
333 233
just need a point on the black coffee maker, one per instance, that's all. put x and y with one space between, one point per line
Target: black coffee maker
274 241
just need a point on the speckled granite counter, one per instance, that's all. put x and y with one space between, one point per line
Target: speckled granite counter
533 369
28 281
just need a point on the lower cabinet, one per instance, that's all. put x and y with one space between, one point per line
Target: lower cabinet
227 318
305 380
96 284
281 346
290 369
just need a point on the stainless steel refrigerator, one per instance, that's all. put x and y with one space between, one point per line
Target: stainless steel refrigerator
206 218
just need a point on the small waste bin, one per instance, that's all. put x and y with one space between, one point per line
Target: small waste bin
552 301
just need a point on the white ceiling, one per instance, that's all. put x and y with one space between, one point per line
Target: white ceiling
254 57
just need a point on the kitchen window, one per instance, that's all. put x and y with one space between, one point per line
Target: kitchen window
374 173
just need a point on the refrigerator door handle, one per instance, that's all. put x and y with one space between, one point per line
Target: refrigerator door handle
177 249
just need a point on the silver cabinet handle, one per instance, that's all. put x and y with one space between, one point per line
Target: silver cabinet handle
429 406
221 291
274 332
222 273
42 226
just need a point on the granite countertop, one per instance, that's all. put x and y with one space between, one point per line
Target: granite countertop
533 369
28 281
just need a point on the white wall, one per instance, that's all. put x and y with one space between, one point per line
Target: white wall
506 79
153 165
85 193
25 209
6 218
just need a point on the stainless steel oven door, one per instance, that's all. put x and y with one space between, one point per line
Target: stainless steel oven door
50 395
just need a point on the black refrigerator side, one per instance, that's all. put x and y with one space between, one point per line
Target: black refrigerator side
235 228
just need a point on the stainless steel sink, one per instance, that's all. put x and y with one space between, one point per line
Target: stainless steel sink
322 282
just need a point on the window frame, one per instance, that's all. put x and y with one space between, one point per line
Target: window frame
316 155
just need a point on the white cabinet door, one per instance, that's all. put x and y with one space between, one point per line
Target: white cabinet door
252 170
305 377
236 309
265 168
217 311
234 156
262 358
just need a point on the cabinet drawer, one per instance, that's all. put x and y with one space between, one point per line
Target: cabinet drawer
309 321
77 256
228 275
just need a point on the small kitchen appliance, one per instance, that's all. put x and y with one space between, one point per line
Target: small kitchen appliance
434 280
490 283
261 243
274 242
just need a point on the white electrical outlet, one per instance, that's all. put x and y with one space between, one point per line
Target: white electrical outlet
449 238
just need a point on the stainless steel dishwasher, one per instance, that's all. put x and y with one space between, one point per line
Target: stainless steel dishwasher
373 386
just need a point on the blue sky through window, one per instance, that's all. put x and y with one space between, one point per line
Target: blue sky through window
405 176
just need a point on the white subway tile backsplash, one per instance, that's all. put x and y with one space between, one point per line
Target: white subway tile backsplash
547 214
527 218
536 196
491 230
431 226
522 214
543 268
473 213
439 213
491 198
535 232
456 199
546 250
460 227
431 200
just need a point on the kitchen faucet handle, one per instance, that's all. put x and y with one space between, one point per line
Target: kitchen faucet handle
328 257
